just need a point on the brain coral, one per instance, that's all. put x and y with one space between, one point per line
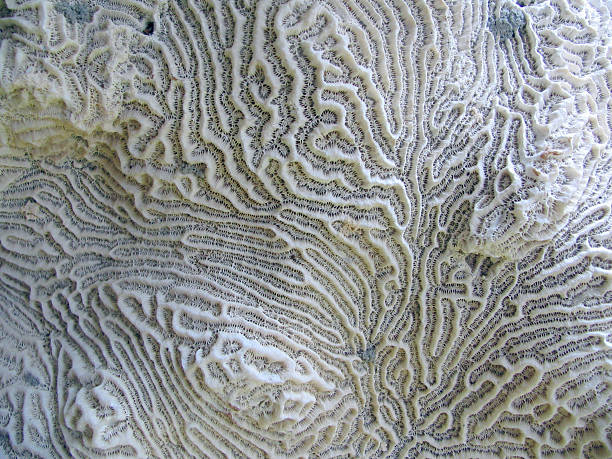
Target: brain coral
340 228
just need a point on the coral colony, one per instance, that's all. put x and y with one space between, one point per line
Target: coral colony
327 229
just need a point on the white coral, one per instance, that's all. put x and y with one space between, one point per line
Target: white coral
300 228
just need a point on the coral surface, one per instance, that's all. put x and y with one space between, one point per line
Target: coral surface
341 228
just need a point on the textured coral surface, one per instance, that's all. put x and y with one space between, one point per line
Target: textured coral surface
269 228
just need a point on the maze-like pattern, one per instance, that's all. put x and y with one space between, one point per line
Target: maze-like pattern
286 229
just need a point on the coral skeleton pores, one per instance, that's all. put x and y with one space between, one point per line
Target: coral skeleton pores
339 228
